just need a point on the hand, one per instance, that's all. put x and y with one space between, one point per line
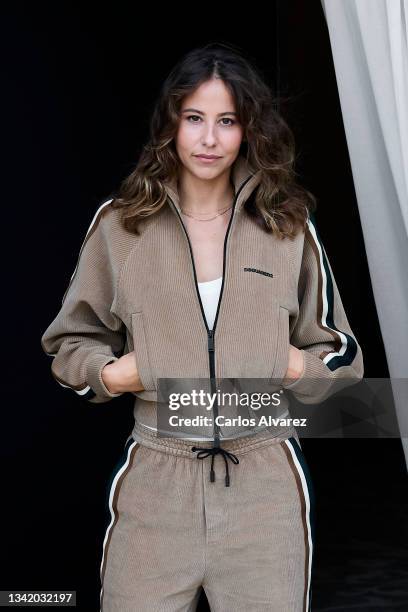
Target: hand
296 363
122 375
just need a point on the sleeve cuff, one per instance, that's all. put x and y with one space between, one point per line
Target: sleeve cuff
315 373
94 375
296 381
317 382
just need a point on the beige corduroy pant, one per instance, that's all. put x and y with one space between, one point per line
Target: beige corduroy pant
173 531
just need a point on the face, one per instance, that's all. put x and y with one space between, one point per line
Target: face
208 125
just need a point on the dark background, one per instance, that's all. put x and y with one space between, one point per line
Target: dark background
79 82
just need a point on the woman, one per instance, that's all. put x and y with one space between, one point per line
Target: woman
207 265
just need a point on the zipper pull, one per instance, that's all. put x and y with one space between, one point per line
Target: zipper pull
211 340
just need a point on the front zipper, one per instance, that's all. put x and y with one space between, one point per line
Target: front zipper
211 332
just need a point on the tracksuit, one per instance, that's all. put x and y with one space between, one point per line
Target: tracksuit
176 522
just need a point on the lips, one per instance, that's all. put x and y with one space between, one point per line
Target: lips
209 156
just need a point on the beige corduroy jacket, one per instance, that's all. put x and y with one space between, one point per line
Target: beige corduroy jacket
140 293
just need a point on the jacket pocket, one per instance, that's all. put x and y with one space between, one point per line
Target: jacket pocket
141 353
253 341
282 345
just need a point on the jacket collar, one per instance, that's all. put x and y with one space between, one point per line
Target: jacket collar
240 175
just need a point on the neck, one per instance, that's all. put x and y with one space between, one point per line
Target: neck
205 196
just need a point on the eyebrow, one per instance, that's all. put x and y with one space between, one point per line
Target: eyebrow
195 110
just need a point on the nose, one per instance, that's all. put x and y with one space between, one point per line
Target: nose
209 137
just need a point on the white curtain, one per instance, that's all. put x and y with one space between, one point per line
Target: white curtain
369 46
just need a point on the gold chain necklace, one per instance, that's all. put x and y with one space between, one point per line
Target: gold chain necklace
217 215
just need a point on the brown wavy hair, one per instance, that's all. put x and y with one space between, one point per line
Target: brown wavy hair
281 205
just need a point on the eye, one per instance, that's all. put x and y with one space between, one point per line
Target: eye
228 119
191 116
223 119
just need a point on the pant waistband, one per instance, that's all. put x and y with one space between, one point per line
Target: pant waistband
229 449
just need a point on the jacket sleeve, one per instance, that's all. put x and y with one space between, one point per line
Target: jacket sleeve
332 356
86 335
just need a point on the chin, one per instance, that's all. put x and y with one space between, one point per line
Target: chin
209 173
